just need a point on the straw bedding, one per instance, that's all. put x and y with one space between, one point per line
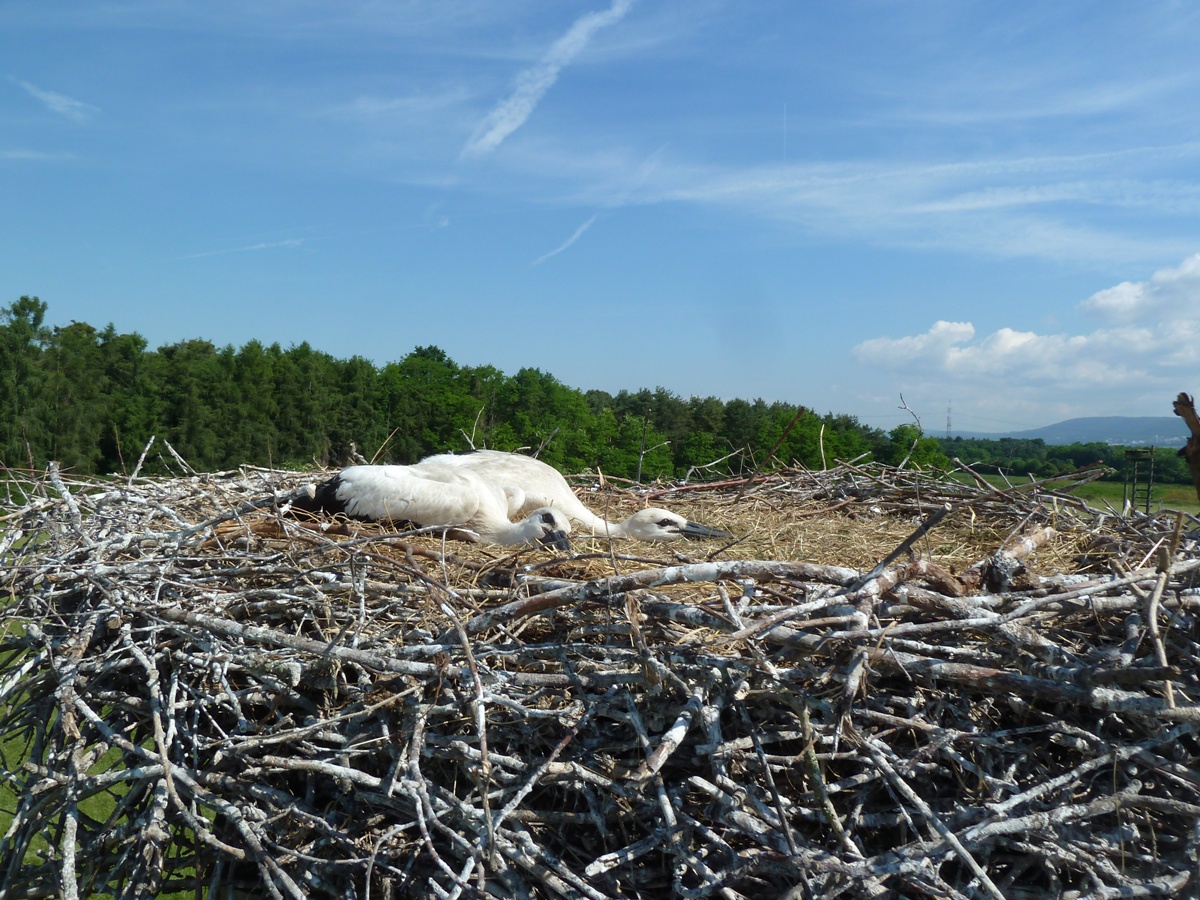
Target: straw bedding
890 684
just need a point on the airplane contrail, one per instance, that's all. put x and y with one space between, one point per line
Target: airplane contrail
532 84
291 242
565 244
59 103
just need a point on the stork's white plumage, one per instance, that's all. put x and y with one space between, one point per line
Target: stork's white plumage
529 483
433 494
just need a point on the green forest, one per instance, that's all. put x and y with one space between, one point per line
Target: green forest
92 398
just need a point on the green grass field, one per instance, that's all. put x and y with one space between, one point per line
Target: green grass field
1105 494
1163 496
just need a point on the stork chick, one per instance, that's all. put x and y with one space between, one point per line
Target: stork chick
529 484
431 494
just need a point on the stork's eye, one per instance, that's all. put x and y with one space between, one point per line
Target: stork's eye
547 518
666 523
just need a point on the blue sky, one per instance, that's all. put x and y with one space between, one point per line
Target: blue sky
992 207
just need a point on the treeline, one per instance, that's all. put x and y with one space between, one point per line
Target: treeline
1023 456
91 398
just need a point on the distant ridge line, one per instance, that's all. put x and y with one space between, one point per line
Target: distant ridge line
1134 431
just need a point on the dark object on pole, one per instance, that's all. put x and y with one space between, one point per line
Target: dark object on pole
1186 409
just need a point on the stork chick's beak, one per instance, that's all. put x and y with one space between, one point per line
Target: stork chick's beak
694 530
555 540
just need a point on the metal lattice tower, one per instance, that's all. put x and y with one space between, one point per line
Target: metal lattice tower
1139 478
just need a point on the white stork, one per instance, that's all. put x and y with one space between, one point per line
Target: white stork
432 494
529 483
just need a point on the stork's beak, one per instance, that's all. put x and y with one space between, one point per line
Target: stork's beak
694 530
555 540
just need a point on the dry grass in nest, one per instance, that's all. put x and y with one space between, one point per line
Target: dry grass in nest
890 683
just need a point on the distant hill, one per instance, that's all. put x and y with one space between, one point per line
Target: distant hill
1134 431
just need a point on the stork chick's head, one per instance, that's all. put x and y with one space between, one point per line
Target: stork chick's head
547 527
653 524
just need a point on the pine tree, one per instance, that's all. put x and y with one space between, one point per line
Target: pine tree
24 415
77 393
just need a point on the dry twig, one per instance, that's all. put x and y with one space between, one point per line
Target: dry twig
903 685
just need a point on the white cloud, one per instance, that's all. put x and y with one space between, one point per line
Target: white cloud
1124 300
931 349
534 82
947 351
1151 348
61 104
1175 291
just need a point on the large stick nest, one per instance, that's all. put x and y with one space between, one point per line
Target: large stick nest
890 685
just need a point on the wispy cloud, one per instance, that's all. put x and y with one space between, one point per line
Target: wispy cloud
1004 207
565 244
61 104
435 216
273 245
1025 99
402 108
34 155
534 82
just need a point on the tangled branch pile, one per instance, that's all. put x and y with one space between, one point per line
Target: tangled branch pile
892 686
